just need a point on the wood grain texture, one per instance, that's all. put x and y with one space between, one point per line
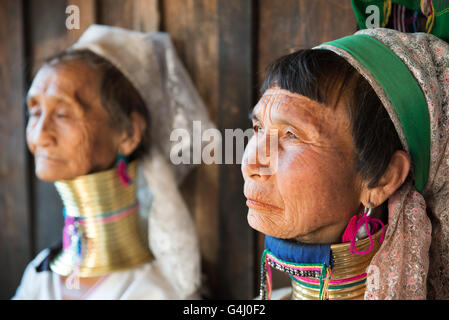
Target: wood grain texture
146 15
141 15
15 222
213 39
46 27
289 25
118 13
237 239
193 27
88 15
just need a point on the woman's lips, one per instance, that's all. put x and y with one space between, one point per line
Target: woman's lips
255 204
47 159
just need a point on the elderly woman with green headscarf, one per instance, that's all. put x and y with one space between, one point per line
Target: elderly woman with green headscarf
352 190
100 118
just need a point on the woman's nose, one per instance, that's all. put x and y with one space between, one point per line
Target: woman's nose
40 134
260 157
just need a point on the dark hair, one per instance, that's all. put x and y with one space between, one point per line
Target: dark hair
118 96
325 77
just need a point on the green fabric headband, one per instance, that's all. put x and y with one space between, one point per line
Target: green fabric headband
404 92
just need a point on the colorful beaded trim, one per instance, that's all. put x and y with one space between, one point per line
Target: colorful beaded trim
320 272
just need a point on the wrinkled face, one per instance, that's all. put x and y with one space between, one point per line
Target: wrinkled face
69 131
313 190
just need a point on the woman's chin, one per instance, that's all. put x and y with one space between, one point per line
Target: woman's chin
252 221
50 173
257 222
46 176
263 222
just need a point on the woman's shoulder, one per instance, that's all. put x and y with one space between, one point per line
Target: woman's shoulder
43 258
148 282
36 272
145 282
41 262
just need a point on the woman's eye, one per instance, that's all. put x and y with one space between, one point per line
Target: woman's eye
61 115
256 128
290 135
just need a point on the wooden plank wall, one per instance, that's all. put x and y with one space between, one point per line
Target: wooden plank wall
225 46
15 217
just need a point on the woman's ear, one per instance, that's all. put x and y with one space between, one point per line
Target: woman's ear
130 140
393 177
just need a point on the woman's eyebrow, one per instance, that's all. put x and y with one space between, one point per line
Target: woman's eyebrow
252 116
301 120
304 118
281 119
278 119
60 98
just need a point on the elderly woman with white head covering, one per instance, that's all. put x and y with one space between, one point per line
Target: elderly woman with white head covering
100 118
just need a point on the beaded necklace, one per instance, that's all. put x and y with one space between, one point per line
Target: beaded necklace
320 272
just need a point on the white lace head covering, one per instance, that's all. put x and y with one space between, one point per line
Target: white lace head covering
150 63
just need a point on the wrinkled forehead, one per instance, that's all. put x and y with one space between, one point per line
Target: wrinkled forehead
284 96
277 100
68 78
315 121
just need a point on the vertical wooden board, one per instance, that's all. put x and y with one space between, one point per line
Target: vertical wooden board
146 15
88 15
15 226
141 15
193 27
46 27
118 13
48 35
237 240
214 39
289 25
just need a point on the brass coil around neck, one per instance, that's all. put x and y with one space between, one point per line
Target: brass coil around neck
112 245
346 265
